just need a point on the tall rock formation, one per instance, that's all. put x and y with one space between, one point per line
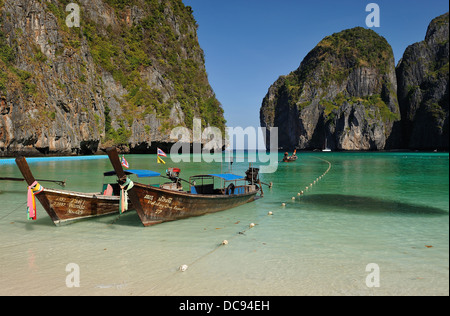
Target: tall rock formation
344 94
423 84
126 76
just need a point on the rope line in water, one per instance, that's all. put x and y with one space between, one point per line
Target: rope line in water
224 243
218 246
299 194
20 206
184 267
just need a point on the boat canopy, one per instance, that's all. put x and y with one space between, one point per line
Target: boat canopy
227 176
138 173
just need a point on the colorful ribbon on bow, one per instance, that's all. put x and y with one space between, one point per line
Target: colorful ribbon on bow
123 204
33 190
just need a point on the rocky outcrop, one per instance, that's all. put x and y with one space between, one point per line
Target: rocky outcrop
125 77
423 87
344 94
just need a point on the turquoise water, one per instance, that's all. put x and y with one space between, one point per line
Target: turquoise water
390 209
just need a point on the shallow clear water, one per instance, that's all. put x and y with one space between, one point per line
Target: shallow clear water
382 208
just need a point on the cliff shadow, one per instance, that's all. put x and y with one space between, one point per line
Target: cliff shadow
363 205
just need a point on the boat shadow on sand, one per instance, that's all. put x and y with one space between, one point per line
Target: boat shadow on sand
364 205
129 218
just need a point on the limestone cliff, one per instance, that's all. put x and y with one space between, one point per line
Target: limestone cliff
343 94
423 84
126 76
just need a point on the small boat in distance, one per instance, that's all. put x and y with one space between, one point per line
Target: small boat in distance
156 205
65 206
326 149
291 158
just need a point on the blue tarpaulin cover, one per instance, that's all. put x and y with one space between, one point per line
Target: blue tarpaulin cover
227 176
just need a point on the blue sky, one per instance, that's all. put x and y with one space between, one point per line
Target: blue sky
248 44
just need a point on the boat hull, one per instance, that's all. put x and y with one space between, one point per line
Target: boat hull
66 206
290 159
159 205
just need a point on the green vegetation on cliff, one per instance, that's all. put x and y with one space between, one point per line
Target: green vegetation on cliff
154 41
337 55
333 60
423 79
359 47
344 88
131 72
9 74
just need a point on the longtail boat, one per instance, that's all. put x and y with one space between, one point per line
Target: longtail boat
291 158
64 206
169 202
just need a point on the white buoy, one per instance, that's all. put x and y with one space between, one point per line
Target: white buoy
270 213
252 225
301 192
225 242
293 198
283 204
298 194
183 268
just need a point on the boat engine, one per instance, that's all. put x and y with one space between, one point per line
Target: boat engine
252 175
173 174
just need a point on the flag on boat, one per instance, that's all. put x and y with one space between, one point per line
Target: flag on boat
161 153
160 160
31 205
125 162
33 190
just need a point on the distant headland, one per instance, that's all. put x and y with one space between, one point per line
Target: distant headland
348 94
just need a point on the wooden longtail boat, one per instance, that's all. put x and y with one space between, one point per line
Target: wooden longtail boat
291 158
168 203
65 206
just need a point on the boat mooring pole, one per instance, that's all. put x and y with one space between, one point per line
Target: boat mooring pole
29 178
114 158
